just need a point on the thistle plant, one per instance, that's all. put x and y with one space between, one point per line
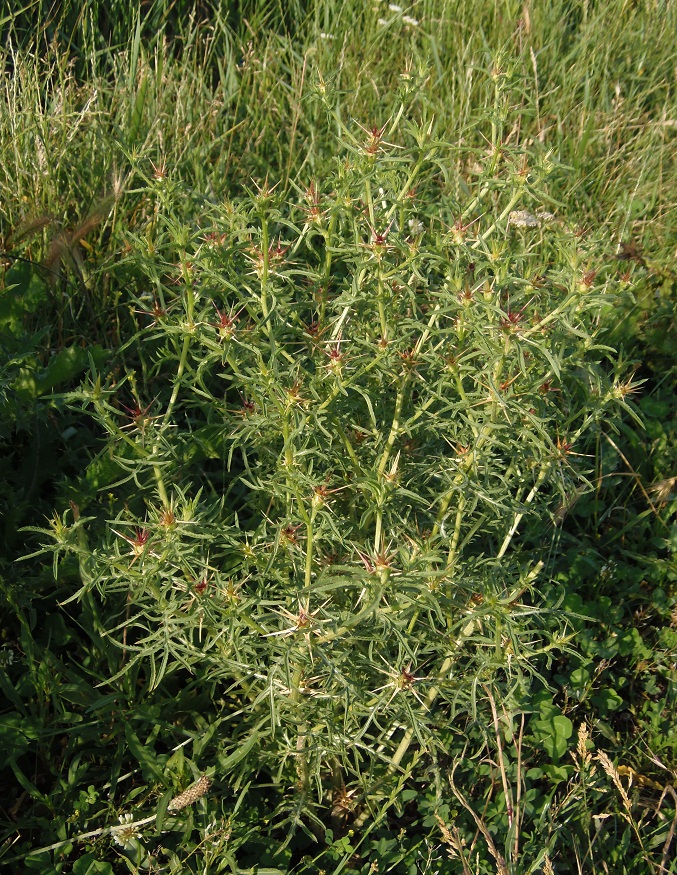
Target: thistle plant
336 446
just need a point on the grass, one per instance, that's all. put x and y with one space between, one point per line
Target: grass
264 287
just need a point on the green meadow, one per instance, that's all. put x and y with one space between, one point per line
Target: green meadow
338 437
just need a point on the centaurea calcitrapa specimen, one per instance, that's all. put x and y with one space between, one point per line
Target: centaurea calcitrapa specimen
374 496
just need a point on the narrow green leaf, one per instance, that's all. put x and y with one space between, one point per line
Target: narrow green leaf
143 755
227 763
161 809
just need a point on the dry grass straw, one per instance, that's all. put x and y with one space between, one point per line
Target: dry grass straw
501 866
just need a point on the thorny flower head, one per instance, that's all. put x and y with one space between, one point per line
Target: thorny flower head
381 562
138 542
167 517
402 680
304 621
214 238
623 388
159 170
293 396
202 585
409 358
157 312
314 214
217 832
563 446
264 193
374 136
275 256
378 243
459 229
342 802
226 323
321 495
288 534
587 280
513 318
336 357
138 415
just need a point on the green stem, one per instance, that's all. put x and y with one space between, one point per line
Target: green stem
554 314
264 270
518 517
451 558
328 237
426 332
406 188
172 401
378 530
119 433
370 203
499 221
390 443
408 737
296 684
394 428
380 286
460 389
302 756
382 309
346 442
476 201
343 385
288 448
190 293
177 381
159 482
309 550
142 451
494 129
465 466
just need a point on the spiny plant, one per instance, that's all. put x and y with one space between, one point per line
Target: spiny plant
169 126
336 449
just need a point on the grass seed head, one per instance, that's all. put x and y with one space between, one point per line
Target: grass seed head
188 797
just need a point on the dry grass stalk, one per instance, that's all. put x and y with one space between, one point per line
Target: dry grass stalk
612 772
455 843
501 867
663 490
671 833
581 745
